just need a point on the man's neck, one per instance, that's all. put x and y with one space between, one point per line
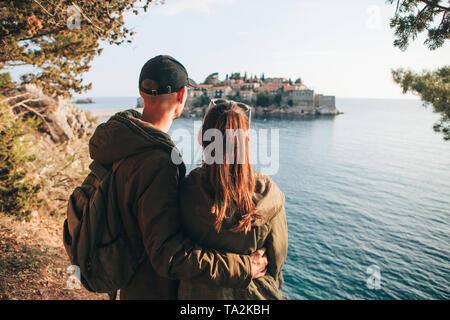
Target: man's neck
160 121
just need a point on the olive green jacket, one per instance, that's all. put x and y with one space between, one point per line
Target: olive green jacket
147 185
196 199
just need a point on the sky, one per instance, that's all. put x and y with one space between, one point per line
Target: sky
343 48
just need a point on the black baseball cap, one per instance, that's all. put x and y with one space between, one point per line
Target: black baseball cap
164 75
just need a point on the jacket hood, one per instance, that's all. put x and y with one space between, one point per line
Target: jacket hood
268 197
123 135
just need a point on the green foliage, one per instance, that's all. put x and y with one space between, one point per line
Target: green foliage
6 82
236 76
264 99
212 78
433 88
18 195
298 80
45 34
200 101
411 18
277 99
415 16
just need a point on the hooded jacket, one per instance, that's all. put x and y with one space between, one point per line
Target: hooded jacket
196 202
147 186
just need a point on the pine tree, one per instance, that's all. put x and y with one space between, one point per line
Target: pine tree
60 38
433 88
411 18
415 16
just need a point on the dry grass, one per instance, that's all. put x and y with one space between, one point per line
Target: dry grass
33 262
59 169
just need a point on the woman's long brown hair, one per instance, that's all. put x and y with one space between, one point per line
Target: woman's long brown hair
233 181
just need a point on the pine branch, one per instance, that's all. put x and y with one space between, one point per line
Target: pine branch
435 5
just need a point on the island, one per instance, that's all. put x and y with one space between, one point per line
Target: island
84 101
266 96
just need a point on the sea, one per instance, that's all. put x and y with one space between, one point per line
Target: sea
367 199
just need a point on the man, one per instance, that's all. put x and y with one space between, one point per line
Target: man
147 182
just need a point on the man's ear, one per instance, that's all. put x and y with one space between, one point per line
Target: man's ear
181 94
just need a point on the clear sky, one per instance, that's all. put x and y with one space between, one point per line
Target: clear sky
343 48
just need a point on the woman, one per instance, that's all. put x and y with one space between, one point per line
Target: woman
227 206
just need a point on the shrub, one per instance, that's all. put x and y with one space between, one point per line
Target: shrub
18 194
200 101
264 99
6 82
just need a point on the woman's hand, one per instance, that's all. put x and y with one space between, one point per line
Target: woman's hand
259 263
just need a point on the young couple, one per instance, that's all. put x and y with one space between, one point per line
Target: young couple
220 232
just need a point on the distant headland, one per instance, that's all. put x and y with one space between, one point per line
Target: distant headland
84 101
267 96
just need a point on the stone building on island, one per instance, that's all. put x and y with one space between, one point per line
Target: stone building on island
287 97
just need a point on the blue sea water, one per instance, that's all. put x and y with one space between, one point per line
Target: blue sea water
370 187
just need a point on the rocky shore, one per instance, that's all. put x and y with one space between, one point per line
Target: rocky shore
268 111
273 110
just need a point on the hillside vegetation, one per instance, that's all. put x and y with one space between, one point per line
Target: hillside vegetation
43 156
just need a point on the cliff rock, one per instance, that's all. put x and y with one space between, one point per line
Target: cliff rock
60 118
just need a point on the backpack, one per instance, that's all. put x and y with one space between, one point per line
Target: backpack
94 236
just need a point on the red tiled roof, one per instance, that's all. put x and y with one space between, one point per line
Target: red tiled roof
289 88
219 88
270 84
268 87
244 84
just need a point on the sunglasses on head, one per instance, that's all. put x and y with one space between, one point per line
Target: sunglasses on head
218 101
